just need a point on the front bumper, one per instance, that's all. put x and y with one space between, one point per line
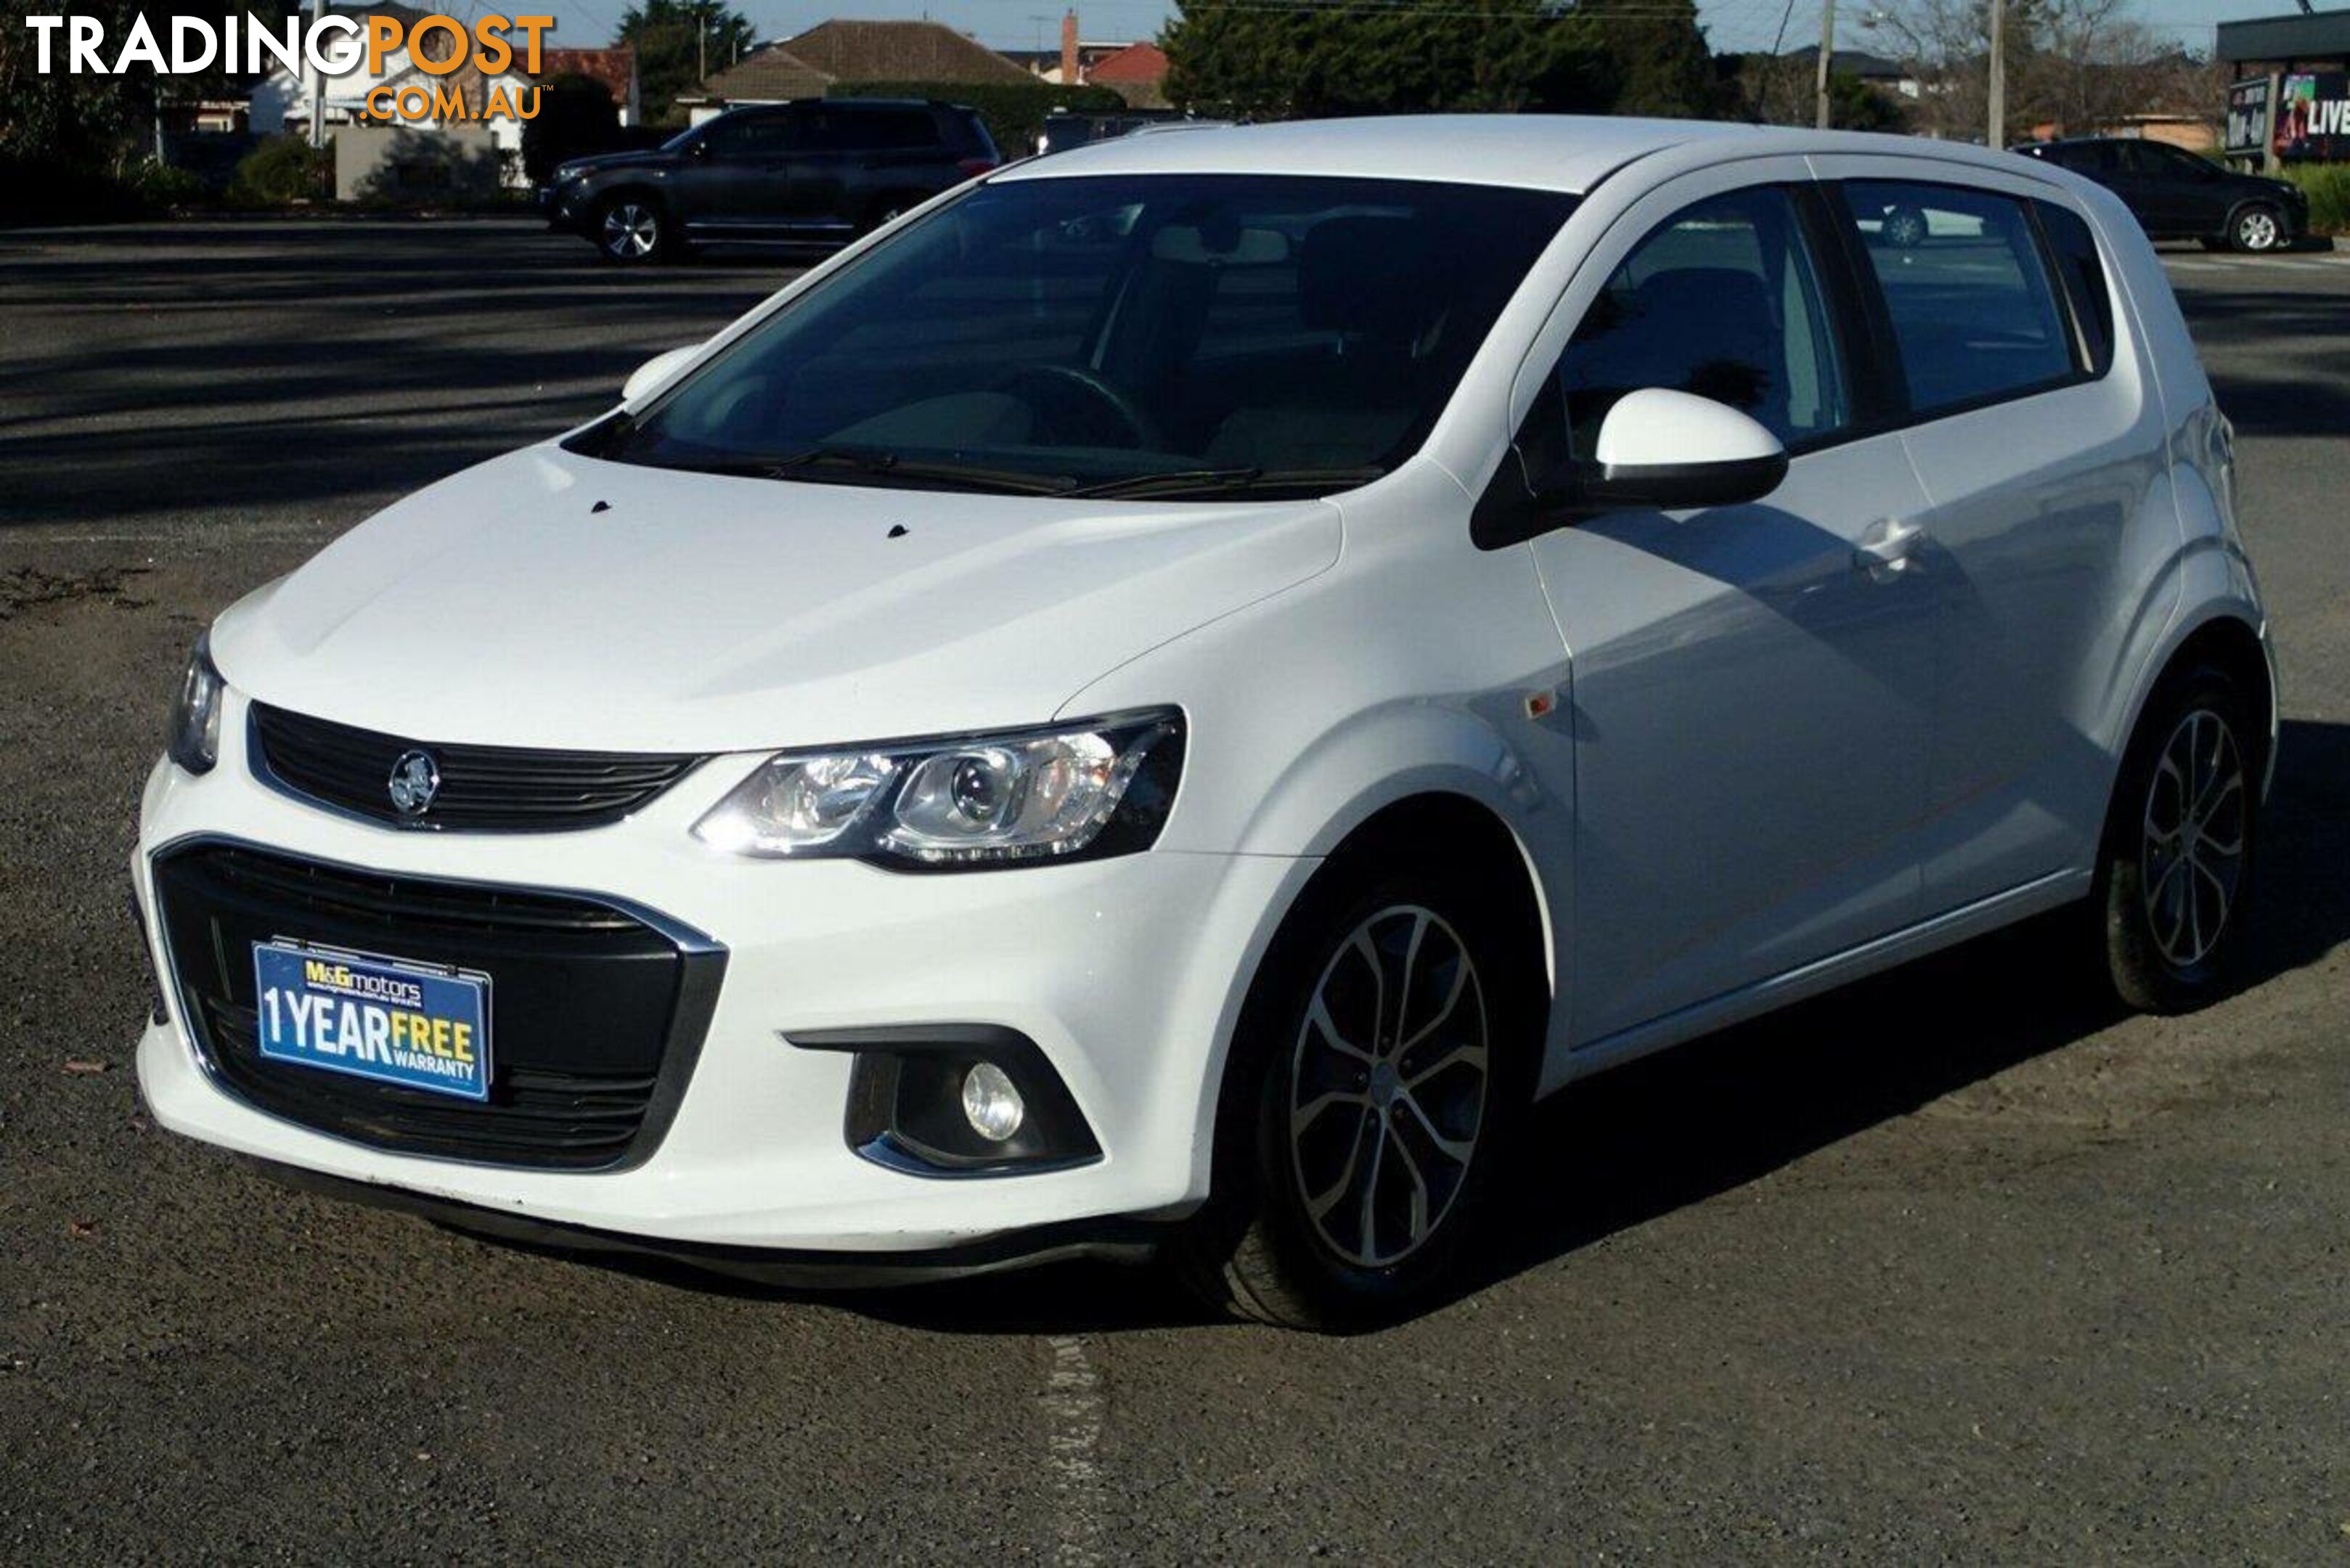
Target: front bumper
565 207
1126 974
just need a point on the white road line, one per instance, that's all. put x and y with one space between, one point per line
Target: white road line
1074 1409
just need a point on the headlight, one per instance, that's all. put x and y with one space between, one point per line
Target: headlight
1097 787
195 721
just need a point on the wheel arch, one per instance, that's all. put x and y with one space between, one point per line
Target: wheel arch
2237 208
1475 836
2229 636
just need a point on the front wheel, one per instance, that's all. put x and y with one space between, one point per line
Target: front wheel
1383 1059
631 230
2175 874
2256 229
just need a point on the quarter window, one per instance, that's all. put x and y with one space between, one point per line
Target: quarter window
1722 300
2085 279
1973 311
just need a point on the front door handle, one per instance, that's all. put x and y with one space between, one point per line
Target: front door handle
1885 551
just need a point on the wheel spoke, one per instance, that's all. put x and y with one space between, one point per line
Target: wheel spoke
1419 1221
1321 1203
1443 1012
1457 1150
1470 1055
1318 1015
1370 1235
1370 955
1306 1114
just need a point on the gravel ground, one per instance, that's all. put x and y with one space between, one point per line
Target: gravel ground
1953 1266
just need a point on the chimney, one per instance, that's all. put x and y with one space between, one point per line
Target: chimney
1070 49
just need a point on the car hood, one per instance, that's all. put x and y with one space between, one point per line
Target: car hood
547 599
600 161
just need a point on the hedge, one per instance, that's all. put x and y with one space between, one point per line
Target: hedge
1015 112
2328 185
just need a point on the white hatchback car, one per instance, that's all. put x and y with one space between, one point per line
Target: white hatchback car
1159 701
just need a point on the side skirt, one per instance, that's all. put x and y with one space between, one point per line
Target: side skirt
1946 929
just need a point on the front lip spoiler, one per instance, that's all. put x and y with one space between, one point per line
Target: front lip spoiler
1122 1240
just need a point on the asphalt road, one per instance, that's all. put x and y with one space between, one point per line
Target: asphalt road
1955 1265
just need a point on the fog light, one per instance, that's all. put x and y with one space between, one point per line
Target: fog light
991 1104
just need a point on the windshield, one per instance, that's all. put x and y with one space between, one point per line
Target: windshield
1186 336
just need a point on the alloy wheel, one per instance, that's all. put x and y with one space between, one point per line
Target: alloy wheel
631 230
2257 230
1388 1086
2192 863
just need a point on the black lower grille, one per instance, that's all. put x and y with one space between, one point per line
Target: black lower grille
507 788
597 1016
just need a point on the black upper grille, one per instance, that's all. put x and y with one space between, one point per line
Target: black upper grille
509 788
596 1016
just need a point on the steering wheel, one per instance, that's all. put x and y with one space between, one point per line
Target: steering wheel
1081 405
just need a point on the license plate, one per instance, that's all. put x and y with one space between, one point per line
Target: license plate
421 1026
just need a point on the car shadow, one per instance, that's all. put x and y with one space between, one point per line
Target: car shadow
1690 1123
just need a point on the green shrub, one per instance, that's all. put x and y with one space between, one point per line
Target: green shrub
2328 186
284 168
157 184
1015 112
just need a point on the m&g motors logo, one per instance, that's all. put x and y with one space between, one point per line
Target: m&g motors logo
332 46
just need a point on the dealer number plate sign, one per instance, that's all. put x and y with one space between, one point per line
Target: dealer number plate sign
418 1025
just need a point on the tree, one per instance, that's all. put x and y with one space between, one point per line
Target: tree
1271 60
576 115
677 42
2076 65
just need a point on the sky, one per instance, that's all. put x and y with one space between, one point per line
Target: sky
1730 25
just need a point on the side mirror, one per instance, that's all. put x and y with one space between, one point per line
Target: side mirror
1673 450
655 370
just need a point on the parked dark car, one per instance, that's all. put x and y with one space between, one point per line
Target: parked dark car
2175 195
813 172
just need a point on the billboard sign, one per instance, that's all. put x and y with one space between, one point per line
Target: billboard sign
2313 117
2247 116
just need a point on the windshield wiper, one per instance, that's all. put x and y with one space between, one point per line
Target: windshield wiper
888 464
1208 481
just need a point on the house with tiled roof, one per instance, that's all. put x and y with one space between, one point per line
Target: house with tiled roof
850 51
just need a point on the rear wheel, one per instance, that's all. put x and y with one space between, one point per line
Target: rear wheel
2176 872
2256 228
631 230
1385 1059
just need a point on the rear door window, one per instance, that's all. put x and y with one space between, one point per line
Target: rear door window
1974 311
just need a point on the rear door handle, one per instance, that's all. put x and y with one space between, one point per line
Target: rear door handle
1884 550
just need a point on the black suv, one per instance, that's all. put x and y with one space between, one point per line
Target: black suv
2176 195
820 171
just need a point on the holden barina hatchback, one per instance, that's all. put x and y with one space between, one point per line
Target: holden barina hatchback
1158 702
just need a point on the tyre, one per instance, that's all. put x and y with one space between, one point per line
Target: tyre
1384 1058
631 230
1904 227
2174 872
2256 228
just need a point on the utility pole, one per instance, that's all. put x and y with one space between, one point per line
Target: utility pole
1827 53
317 83
1996 132
702 44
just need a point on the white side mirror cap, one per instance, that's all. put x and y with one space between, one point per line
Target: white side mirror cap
1675 449
649 375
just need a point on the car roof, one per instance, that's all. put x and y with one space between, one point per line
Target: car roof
1535 151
